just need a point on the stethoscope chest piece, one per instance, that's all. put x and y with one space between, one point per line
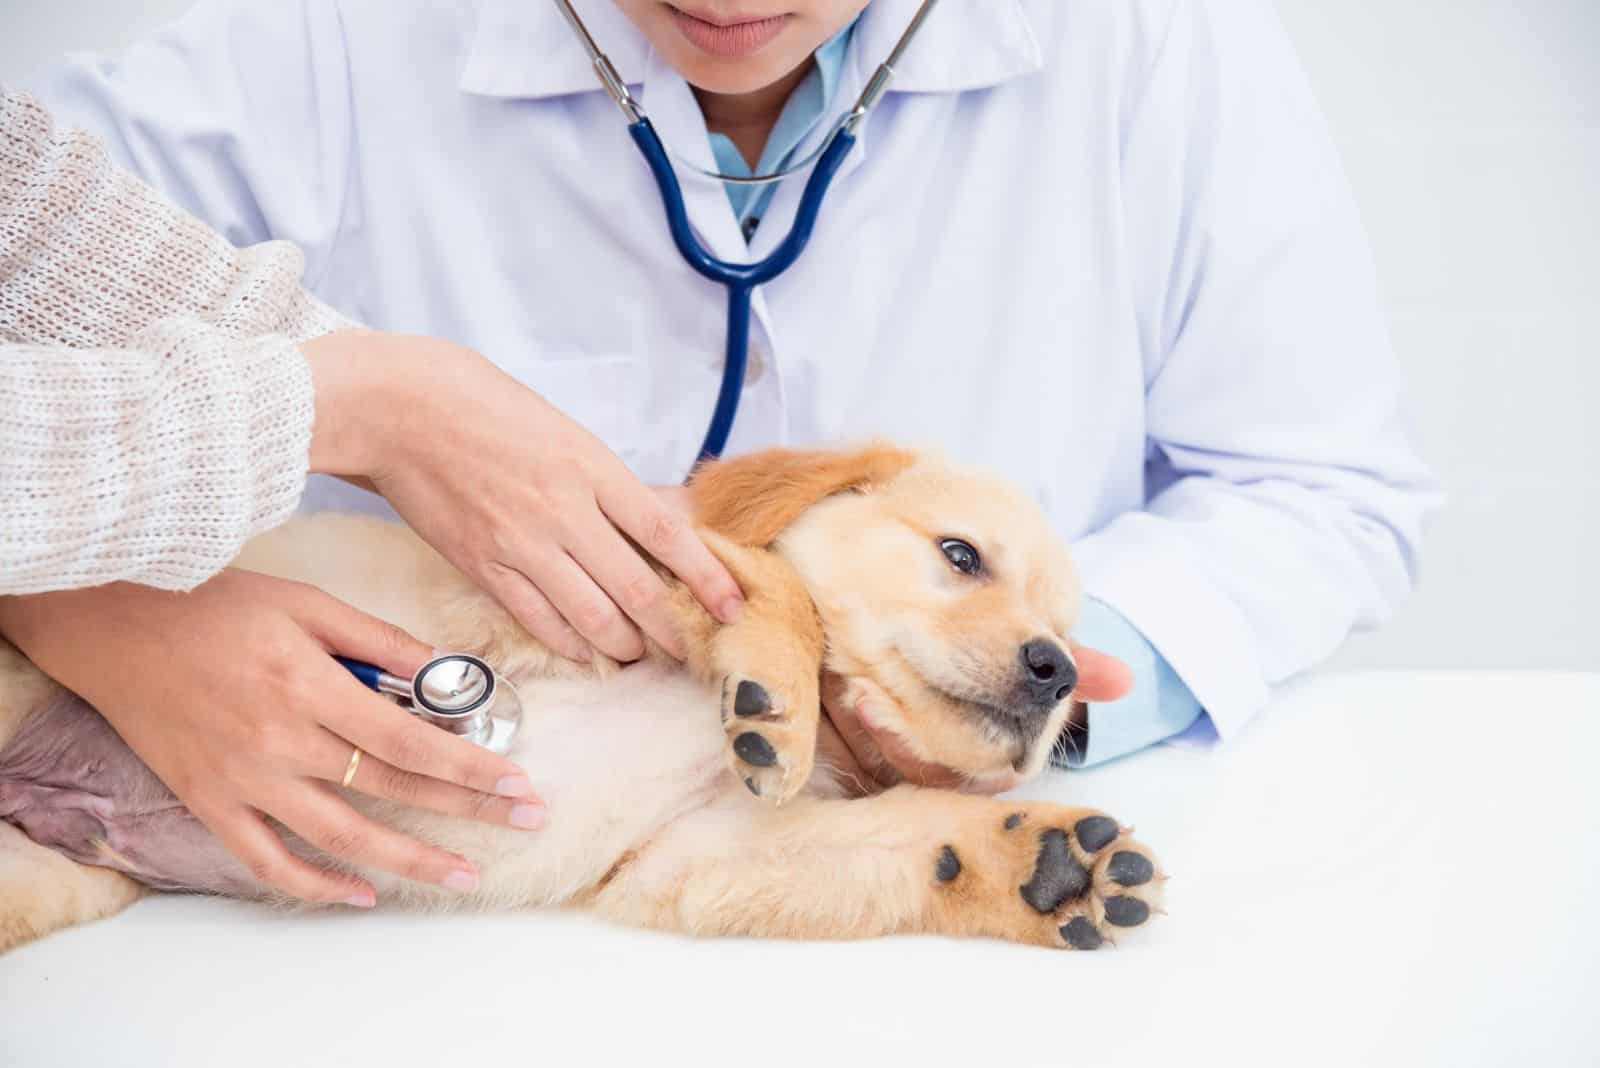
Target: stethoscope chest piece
463 695
456 692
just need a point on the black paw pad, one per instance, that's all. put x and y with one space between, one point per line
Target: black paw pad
1130 869
1013 821
949 865
1096 832
1081 934
751 699
1057 875
754 749
1127 911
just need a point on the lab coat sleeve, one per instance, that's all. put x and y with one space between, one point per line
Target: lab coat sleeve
239 112
1284 503
1158 707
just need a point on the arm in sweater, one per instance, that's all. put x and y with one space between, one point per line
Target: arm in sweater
155 409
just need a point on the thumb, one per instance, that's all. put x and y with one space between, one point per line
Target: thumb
1101 677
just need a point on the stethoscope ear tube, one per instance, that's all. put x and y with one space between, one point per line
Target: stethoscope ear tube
740 279
366 674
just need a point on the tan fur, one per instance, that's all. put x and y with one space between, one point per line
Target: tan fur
753 499
838 553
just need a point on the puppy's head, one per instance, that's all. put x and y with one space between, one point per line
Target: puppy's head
945 599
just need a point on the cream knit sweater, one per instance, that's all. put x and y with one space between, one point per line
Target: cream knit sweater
155 410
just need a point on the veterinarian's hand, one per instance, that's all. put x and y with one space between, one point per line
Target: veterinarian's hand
229 693
1101 677
527 503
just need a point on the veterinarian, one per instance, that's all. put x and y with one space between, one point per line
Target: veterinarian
1103 247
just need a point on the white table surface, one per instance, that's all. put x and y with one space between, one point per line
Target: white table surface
1386 869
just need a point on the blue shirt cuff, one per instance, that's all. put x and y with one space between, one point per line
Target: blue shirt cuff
1159 706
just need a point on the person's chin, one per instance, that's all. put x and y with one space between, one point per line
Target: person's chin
728 77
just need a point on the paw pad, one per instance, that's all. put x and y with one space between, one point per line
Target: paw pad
751 699
1081 934
1057 875
1130 869
755 750
1096 832
1126 911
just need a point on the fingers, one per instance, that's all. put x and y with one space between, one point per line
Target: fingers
634 585
1101 677
534 611
377 778
583 604
329 823
667 534
677 497
395 736
246 835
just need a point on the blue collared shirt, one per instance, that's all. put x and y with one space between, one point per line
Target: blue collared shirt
1160 706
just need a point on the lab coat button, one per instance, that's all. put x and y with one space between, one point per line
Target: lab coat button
755 367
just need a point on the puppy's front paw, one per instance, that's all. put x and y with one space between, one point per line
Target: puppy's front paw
772 734
1051 876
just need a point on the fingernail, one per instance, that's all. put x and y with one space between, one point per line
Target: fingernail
363 899
514 786
462 882
731 609
528 817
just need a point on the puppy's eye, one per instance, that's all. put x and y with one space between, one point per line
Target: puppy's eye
963 557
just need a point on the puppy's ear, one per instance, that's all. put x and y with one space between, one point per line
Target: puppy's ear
751 499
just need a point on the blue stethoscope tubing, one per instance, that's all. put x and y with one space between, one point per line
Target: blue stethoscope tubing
740 279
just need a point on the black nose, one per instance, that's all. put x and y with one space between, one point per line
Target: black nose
1047 671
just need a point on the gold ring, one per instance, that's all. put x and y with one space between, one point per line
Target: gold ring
350 771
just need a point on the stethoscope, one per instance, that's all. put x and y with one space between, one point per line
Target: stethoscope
456 691
740 278
461 693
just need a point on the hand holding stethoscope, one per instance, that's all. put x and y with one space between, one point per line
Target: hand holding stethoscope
228 694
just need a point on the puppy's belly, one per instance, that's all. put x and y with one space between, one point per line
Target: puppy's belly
615 761
71 784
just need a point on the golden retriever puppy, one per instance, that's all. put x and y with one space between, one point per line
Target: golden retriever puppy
713 797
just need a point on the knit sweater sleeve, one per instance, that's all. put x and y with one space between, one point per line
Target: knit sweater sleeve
155 409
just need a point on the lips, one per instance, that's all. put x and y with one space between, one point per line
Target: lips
728 39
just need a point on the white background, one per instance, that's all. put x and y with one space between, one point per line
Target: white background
1471 129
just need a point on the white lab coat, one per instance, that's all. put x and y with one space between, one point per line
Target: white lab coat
1104 246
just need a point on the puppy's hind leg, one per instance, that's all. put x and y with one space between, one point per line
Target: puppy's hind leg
907 861
42 891
766 666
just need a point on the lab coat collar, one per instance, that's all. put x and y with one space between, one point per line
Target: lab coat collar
524 48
